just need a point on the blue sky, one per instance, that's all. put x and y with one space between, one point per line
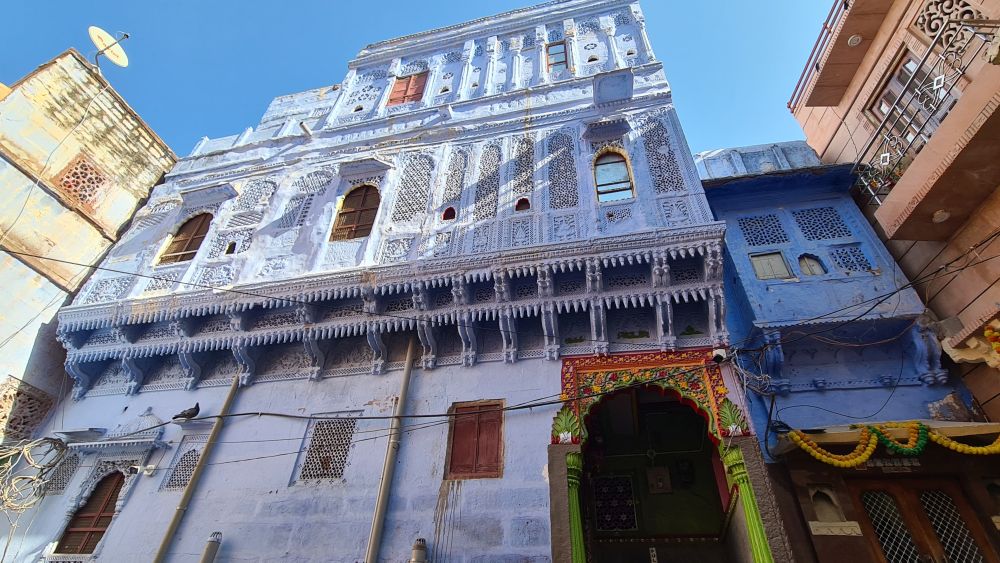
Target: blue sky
210 68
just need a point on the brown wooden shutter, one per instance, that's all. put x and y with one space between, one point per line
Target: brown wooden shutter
476 449
463 442
91 521
399 88
488 455
415 90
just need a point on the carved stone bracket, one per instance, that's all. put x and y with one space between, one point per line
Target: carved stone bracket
501 284
545 283
508 330
459 290
550 330
247 362
378 349
192 369
470 346
83 378
594 277
317 357
598 326
183 327
661 270
306 313
136 375
425 331
665 323
774 356
419 295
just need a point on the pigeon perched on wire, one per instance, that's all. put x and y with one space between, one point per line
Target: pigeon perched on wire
188 413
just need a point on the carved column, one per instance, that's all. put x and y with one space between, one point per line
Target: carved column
317 357
569 32
665 322
608 27
467 332
508 329
736 468
135 375
191 367
464 92
541 74
550 329
644 45
246 362
517 62
574 471
378 350
425 331
486 77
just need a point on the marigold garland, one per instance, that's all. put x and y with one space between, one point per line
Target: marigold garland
918 434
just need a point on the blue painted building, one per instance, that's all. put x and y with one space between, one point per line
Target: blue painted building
827 333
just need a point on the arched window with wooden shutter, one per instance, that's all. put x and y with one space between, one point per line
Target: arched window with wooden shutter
357 214
185 243
91 521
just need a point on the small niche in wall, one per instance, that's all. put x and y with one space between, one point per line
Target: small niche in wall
448 215
523 204
592 59
231 248
444 90
630 53
830 520
358 108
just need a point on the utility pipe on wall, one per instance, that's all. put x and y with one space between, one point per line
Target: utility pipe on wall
182 506
211 548
391 451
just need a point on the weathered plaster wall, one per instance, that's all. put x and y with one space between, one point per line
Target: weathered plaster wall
264 516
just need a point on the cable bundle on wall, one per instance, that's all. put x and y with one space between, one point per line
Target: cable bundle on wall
25 471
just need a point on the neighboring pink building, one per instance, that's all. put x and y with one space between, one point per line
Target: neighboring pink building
909 89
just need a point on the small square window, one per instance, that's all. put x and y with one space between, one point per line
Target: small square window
770 266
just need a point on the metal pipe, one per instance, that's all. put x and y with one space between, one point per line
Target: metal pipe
391 450
182 506
211 548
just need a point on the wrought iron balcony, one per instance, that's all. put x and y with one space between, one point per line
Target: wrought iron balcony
916 99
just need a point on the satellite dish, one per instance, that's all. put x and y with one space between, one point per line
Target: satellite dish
108 46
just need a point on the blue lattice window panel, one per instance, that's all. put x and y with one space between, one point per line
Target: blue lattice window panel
850 258
821 223
763 230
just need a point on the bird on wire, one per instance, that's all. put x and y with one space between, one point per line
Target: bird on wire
188 413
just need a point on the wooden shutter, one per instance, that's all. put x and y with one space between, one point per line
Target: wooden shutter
476 441
415 89
398 94
91 521
488 454
184 245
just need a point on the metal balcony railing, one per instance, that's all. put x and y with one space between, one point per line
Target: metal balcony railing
812 65
928 89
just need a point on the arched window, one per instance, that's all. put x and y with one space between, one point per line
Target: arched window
811 266
91 520
187 240
448 215
357 215
522 204
611 173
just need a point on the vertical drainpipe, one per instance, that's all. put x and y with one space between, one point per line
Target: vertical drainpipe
391 451
182 506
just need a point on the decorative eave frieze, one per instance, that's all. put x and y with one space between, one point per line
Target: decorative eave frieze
389 280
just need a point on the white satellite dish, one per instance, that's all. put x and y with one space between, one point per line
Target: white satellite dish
108 46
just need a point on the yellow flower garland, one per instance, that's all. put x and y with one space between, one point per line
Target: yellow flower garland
864 450
947 442
868 440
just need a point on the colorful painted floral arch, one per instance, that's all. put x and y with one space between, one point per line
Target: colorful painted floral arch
690 374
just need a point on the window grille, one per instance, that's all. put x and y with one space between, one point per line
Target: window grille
185 460
920 110
770 266
664 169
185 244
762 230
892 533
254 193
954 535
821 223
82 180
524 166
614 504
329 442
563 191
414 188
488 186
357 214
62 474
850 258
456 175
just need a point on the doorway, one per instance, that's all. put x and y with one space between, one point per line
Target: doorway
920 520
653 486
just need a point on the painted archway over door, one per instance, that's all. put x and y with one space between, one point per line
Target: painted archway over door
692 375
